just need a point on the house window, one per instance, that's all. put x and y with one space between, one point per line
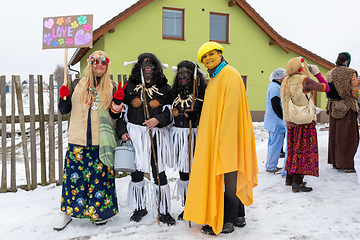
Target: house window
173 23
219 27
244 78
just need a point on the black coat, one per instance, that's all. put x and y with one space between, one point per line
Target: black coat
136 115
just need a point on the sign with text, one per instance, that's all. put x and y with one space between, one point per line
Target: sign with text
67 32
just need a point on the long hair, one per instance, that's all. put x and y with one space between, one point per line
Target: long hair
105 90
200 91
158 75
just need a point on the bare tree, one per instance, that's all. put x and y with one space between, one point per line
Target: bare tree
59 73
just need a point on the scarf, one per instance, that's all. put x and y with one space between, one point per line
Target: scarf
213 72
108 138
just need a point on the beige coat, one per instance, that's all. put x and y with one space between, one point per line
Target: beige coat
79 119
293 86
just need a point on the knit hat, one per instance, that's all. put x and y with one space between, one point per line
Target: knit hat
348 57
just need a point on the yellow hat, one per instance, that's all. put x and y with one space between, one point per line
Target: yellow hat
207 47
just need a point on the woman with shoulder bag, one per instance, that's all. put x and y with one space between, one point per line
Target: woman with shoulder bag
302 146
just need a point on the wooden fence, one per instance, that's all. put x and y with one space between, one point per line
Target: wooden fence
52 120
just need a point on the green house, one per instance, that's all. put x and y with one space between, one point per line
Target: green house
174 30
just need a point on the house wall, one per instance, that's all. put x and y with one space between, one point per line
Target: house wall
248 51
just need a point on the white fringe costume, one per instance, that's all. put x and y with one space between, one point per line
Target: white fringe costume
138 192
180 154
181 187
165 198
179 142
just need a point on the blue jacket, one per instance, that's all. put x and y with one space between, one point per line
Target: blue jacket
273 114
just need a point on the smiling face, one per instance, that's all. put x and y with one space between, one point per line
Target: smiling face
99 69
185 76
211 59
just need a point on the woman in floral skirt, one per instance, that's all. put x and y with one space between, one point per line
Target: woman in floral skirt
88 189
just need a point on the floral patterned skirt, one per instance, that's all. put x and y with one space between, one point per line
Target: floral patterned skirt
302 147
88 189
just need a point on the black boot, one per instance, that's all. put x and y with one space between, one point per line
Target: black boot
227 228
167 218
301 187
138 215
240 222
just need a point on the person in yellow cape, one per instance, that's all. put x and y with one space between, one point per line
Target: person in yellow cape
224 169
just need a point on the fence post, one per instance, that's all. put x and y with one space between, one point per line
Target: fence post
13 156
42 129
23 132
51 132
60 140
3 187
32 133
119 79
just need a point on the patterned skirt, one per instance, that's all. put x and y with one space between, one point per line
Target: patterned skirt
88 189
302 147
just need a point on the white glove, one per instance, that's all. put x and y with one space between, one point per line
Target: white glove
314 69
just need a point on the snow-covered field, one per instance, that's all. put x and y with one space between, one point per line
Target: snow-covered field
330 211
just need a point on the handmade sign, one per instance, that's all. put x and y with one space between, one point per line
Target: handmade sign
67 32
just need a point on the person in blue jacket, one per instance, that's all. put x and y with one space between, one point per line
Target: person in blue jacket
273 120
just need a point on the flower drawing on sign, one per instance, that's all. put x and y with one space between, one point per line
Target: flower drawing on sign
54 43
60 21
82 20
87 27
69 41
61 41
47 38
74 25
68 20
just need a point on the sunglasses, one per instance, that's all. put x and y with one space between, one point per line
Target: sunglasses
98 61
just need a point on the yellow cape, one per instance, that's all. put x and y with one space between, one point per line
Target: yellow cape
225 143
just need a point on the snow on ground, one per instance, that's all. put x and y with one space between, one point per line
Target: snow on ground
330 211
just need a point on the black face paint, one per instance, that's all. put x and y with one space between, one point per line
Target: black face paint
148 69
185 76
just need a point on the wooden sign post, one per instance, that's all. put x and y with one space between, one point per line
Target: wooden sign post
67 32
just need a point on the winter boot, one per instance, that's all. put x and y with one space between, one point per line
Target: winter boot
301 187
240 222
167 218
138 215
227 228
63 221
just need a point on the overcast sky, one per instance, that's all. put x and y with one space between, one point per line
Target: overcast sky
324 27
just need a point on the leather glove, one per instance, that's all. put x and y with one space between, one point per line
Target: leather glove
119 94
191 115
64 91
314 69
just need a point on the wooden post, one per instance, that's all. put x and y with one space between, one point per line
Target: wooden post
13 156
60 140
119 80
51 132
23 132
42 129
3 187
32 133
